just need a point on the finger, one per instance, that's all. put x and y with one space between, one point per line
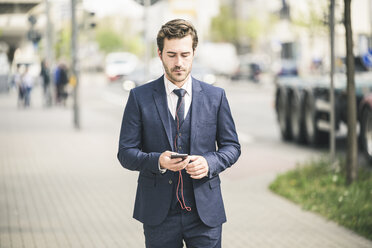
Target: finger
197 170
175 167
195 162
193 158
199 176
176 160
184 163
180 165
194 166
202 170
168 153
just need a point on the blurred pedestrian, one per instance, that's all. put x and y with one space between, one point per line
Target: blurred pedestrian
178 199
27 82
16 76
61 80
45 75
18 84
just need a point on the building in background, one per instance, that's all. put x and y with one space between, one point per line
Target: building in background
301 37
288 33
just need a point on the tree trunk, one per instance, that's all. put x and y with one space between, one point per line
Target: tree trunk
332 139
352 145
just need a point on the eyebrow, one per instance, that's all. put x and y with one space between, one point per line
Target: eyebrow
169 52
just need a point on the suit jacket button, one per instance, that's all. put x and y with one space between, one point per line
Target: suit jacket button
170 181
214 174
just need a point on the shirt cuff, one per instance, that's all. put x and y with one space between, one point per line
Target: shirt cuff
162 171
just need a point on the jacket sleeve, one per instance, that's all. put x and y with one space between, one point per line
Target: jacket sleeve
130 152
228 145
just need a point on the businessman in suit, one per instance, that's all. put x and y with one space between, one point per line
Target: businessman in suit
178 199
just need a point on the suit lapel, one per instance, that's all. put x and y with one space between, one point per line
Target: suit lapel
160 98
197 104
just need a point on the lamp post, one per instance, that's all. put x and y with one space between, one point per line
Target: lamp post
74 70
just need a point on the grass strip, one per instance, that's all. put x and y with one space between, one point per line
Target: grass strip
318 188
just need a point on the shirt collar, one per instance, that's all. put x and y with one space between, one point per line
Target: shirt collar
169 86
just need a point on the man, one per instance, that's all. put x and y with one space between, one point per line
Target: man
45 75
178 199
28 83
61 80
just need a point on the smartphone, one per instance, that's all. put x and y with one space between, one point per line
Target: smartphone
179 155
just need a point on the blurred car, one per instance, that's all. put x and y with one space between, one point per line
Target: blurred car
247 70
119 64
222 58
203 73
288 68
138 76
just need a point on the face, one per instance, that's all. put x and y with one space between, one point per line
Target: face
177 59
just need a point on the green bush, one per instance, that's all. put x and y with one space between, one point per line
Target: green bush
316 187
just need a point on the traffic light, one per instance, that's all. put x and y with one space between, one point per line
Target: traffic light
32 34
90 20
32 20
92 23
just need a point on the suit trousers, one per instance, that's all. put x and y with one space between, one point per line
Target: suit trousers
181 225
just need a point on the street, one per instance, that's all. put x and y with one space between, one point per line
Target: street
61 187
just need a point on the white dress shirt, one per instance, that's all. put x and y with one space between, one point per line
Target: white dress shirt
172 98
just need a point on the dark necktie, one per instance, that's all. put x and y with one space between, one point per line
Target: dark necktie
180 110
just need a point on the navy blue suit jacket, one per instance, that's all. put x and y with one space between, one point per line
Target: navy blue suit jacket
146 133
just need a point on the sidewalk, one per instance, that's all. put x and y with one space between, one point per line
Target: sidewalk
65 188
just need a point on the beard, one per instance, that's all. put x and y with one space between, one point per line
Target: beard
174 76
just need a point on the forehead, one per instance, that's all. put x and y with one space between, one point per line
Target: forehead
178 45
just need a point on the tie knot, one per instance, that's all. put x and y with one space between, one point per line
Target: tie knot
179 92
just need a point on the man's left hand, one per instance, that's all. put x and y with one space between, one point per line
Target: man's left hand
198 168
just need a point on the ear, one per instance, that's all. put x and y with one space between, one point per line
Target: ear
159 53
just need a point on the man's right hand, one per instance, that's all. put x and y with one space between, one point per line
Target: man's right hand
175 164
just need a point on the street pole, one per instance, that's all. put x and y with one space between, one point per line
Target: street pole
74 76
370 26
332 140
49 50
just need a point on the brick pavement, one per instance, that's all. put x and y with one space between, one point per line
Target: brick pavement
64 188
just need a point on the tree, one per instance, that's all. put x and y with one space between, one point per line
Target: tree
224 27
109 41
313 18
227 27
352 145
115 34
62 47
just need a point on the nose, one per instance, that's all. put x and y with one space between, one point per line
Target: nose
178 61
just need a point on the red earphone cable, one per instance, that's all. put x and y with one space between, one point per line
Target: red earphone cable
180 180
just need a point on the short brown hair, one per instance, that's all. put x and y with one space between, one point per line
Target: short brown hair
176 29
